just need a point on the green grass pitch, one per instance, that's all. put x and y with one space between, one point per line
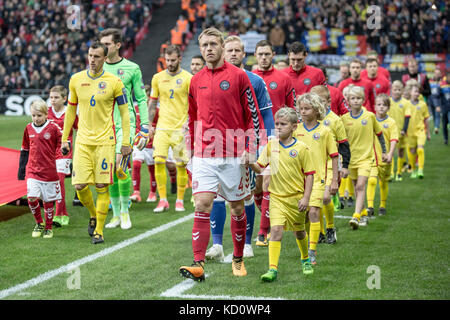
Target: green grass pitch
408 249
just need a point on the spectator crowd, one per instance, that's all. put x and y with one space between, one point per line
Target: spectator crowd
38 51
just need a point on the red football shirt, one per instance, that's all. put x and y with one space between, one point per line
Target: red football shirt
280 87
305 79
43 144
369 91
222 103
58 118
381 84
338 103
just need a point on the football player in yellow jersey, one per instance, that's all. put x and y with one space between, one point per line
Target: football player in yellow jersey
334 122
320 140
400 111
382 169
361 126
94 93
292 177
418 131
171 87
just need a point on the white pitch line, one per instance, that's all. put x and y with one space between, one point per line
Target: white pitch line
177 292
68 267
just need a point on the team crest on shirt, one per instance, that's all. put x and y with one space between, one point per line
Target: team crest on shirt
47 135
326 122
194 185
385 125
273 85
293 153
224 85
120 72
316 136
400 105
377 86
307 81
363 122
102 85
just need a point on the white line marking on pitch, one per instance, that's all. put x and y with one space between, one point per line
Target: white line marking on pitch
68 267
177 292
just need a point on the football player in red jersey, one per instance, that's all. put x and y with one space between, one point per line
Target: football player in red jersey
380 83
40 145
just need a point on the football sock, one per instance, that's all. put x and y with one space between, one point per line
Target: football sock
114 195
102 208
384 190
274 254
329 214
136 173
265 220
343 187
357 215
392 167
182 179
200 235
350 188
371 188
217 217
87 200
314 235
48 213
124 193
250 212
412 160
400 163
151 171
322 227
421 157
35 210
238 228
161 178
303 246
61 204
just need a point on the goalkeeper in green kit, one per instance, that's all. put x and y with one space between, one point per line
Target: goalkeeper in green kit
131 76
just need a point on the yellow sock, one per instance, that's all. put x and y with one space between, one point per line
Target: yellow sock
384 190
161 177
392 168
322 226
102 208
371 188
342 187
357 215
86 198
314 235
400 163
274 254
421 157
329 214
182 179
303 246
412 160
350 188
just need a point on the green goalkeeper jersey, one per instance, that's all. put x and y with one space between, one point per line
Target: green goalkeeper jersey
131 76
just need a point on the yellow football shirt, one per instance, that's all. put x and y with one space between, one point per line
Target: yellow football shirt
172 91
334 122
361 131
390 133
398 111
419 113
289 166
322 144
95 98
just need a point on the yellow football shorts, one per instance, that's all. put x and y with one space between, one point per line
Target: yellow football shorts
317 192
93 164
170 138
359 169
418 140
402 143
284 212
383 172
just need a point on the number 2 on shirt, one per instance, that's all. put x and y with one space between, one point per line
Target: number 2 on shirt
171 93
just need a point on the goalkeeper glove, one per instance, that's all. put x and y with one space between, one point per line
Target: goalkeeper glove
122 168
141 138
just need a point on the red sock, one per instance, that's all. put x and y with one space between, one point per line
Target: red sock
258 199
35 210
136 175
61 204
200 235
265 221
173 174
151 170
238 229
48 212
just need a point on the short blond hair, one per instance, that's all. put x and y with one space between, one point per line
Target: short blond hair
323 92
212 32
353 90
315 101
234 38
40 106
397 83
287 113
